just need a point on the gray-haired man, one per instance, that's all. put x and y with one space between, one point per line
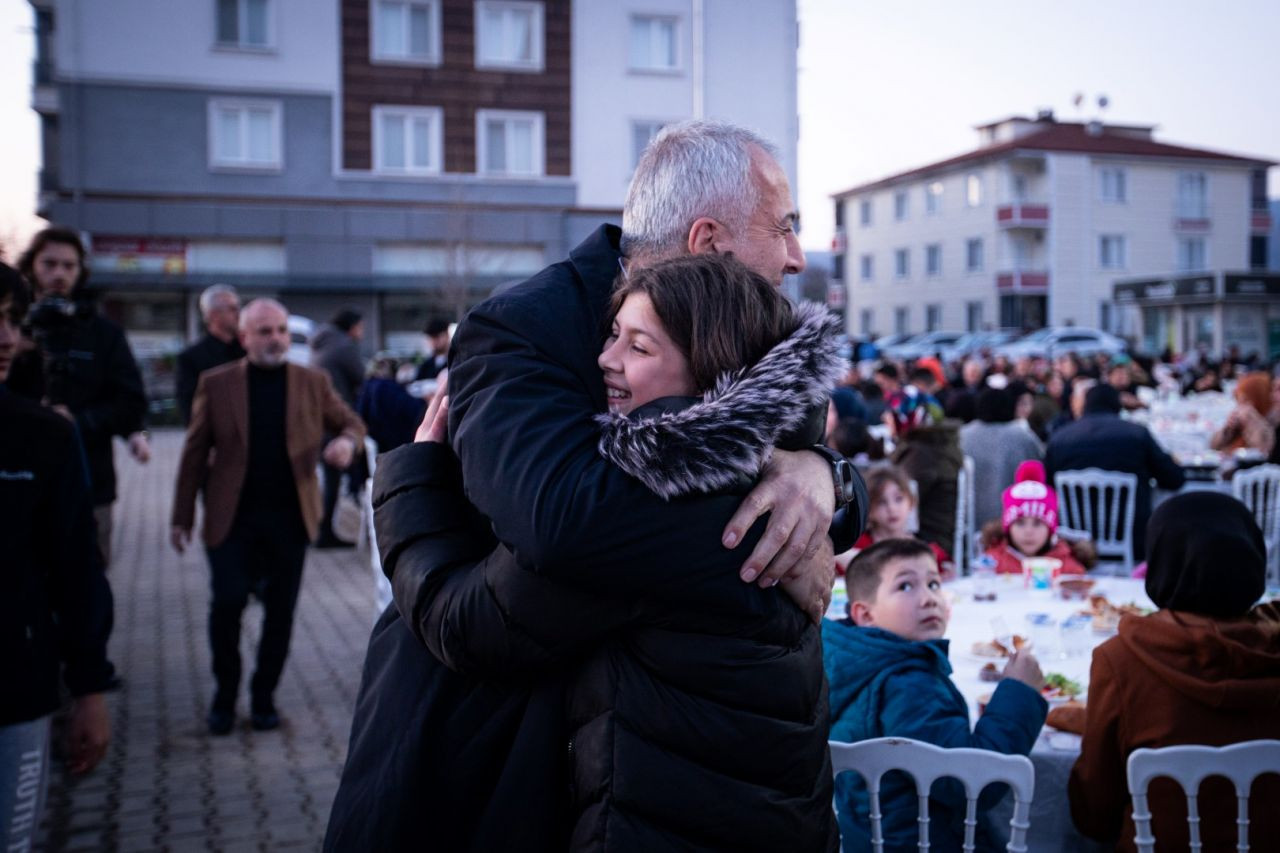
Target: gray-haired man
220 308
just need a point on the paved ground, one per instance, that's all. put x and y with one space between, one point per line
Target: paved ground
166 784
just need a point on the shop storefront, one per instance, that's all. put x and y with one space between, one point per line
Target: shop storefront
1211 310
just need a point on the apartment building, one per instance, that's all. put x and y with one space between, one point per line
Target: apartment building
1036 225
402 157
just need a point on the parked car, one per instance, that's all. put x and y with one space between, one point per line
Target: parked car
924 345
1053 341
300 331
886 341
974 343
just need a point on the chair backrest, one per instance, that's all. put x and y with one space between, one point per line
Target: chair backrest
913 521
974 768
1100 503
1241 763
963 550
381 586
1259 489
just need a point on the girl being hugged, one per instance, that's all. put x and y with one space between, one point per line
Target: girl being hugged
1029 527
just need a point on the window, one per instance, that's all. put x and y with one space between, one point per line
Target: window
653 43
901 319
933 259
405 31
837 267
1104 316
973 189
1113 185
840 213
901 263
865 321
244 134
642 133
932 317
866 267
973 316
244 24
864 212
1019 188
1191 254
973 255
1193 195
933 198
407 140
1111 252
900 205
509 35
226 256
509 143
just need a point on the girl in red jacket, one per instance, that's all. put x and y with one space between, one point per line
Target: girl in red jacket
1028 527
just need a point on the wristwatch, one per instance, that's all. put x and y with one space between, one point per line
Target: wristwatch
842 474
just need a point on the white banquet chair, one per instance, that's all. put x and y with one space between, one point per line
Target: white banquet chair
1240 763
965 548
381 586
1259 489
974 768
1100 505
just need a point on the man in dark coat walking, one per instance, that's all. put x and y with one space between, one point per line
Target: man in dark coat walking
220 308
1100 439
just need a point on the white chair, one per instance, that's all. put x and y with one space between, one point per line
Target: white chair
1100 505
913 520
381 586
1259 489
964 548
974 768
1241 763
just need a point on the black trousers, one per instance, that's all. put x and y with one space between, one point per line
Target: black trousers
263 554
356 475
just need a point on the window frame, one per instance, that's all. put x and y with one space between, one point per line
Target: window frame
901 206
1185 179
933 317
902 271
483 117
865 217
972 180
1120 182
677 66
1189 239
866 267
436 114
242 13
969 244
635 125
933 251
433 60
244 105
537 30
1120 244
933 192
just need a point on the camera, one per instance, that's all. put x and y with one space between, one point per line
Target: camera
50 323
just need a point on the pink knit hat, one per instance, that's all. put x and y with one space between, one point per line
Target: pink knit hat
1030 496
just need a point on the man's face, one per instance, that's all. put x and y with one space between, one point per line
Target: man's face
264 334
439 343
223 318
57 269
768 242
972 373
357 331
8 337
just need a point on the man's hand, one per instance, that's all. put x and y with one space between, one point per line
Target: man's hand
179 537
88 732
798 491
810 586
340 452
435 425
64 411
140 447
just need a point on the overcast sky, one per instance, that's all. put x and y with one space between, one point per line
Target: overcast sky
887 85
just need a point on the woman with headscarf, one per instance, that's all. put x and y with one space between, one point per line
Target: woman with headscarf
1203 669
1247 425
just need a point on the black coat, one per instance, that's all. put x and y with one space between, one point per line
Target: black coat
1101 440
743 760
204 354
102 388
55 614
931 456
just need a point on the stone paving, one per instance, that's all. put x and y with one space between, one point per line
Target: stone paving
165 783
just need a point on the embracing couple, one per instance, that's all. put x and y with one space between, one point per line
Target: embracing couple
612 544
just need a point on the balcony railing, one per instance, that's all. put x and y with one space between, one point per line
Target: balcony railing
1022 215
1022 281
1192 217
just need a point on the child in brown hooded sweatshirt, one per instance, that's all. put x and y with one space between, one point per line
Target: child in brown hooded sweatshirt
1204 669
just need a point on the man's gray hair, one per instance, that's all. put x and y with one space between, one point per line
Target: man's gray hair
690 170
210 295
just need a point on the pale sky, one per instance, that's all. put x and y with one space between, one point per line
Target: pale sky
887 85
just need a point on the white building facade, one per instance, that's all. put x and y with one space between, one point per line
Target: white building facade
1034 227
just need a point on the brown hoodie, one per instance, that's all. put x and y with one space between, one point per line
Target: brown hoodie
1180 678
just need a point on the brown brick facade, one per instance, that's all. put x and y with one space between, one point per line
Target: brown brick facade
457 87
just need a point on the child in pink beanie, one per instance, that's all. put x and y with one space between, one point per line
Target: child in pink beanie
1028 527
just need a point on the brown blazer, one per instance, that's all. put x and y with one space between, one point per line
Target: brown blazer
215 456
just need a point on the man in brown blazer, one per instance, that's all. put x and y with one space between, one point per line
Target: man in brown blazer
257 426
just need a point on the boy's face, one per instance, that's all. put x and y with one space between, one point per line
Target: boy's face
909 600
640 361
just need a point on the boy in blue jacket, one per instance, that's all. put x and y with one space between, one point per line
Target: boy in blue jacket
889 675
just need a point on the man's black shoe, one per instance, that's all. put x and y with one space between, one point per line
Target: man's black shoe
332 542
221 722
265 720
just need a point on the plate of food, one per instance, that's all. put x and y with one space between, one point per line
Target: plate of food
1002 647
1106 616
1074 586
1058 689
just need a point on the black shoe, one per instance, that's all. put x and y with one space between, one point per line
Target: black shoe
221 721
265 720
332 542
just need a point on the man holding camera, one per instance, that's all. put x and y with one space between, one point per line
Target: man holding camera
81 365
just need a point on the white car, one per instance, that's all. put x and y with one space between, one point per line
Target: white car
930 343
975 342
300 331
1054 341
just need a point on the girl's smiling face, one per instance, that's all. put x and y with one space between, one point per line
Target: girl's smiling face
640 361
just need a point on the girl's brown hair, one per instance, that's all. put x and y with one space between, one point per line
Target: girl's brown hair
720 314
878 479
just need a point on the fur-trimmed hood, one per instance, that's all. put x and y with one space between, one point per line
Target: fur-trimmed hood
728 433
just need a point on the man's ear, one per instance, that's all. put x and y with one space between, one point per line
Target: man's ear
860 613
704 235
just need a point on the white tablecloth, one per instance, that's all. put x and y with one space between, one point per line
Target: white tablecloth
1055 752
